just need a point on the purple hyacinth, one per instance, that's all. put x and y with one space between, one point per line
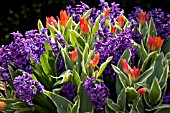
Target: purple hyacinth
97 93
68 91
26 88
166 98
77 11
161 21
115 46
21 49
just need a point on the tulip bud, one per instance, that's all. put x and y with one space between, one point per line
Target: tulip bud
142 17
73 55
51 21
63 17
84 25
135 72
155 43
125 66
121 20
113 29
142 90
95 60
107 12
2 105
0 48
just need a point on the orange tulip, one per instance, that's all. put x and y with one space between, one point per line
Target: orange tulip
2 105
135 72
142 90
63 17
121 20
155 43
0 48
107 12
95 60
73 55
125 66
51 21
113 29
142 17
84 25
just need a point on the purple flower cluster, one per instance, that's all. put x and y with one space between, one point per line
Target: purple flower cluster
97 93
162 22
21 49
115 47
76 11
68 91
26 87
166 98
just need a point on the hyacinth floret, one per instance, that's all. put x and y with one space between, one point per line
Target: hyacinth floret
68 91
26 88
21 49
97 93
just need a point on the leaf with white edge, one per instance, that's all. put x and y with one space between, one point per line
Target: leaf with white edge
164 77
123 78
76 106
166 46
76 78
155 92
121 100
163 110
40 25
113 105
162 106
131 93
103 66
152 30
142 78
143 50
60 102
108 110
146 98
87 14
96 25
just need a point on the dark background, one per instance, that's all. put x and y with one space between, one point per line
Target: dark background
22 15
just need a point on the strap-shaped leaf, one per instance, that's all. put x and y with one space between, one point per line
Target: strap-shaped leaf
155 92
103 66
121 100
113 105
152 30
164 77
96 25
40 25
76 106
131 93
166 46
76 78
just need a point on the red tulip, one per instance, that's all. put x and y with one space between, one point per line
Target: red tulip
113 29
95 60
142 90
135 72
142 17
84 25
107 12
51 21
2 105
121 20
125 66
155 43
63 17
73 55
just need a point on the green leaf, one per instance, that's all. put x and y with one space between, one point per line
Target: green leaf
87 14
164 77
143 77
143 50
12 72
96 25
113 105
152 29
76 78
146 98
155 92
121 100
41 109
166 46
60 102
162 106
164 110
103 66
76 106
108 110
122 76
131 93
85 103
26 110
40 25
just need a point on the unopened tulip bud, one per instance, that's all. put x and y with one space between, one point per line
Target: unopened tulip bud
63 17
2 105
121 20
142 17
73 55
107 12
142 90
95 60
155 43
135 72
113 29
84 25
51 21
125 66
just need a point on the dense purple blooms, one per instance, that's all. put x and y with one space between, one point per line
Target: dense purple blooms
115 46
69 91
162 22
26 87
97 93
21 49
166 98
